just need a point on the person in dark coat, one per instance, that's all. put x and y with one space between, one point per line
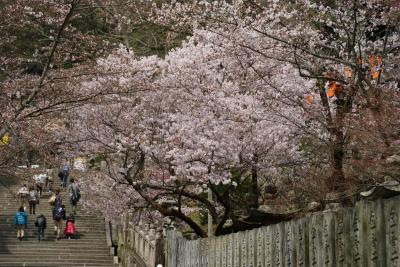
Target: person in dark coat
41 224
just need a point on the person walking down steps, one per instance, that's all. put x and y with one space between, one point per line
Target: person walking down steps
21 222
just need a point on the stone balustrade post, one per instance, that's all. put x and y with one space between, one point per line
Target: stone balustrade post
120 234
139 243
143 233
159 247
132 238
141 240
128 226
124 219
147 242
121 246
137 238
151 245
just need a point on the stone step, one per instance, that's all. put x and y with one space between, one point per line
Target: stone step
47 249
58 264
11 264
33 241
50 228
55 257
80 240
85 228
89 250
54 262
43 245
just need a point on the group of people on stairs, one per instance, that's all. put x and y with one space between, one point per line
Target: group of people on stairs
32 195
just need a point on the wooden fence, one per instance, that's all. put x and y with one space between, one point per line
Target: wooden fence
365 235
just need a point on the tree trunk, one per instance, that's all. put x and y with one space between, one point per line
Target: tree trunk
254 184
337 181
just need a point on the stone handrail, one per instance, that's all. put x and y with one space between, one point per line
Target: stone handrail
367 234
139 245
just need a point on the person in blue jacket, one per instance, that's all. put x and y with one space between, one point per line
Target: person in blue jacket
21 221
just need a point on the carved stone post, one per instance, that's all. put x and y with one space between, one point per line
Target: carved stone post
146 244
141 240
132 238
159 247
151 245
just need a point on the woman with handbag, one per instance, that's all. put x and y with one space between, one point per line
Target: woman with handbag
55 199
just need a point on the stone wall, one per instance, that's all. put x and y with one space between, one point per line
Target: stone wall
365 235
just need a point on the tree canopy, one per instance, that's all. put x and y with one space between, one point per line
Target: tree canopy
261 102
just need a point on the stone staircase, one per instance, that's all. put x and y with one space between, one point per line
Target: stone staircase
89 249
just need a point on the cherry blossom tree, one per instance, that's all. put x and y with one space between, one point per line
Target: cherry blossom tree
46 47
269 90
188 122
349 50
300 95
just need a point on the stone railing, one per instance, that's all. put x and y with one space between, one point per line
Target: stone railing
139 245
365 235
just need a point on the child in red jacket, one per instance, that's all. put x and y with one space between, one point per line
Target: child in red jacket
70 229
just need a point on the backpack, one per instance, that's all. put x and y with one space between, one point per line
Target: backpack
58 213
65 169
76 194
70 228
32 196
40 221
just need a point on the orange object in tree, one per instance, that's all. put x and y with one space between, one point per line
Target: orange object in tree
375 64
375 75
372 62
331 89
309 99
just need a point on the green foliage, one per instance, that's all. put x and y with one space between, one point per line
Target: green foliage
24 42
149 39
92 21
